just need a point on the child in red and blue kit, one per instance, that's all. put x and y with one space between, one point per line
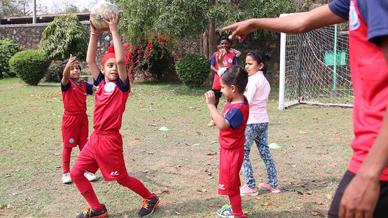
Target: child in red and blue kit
104 149
231 123
75 120
363 190
225 57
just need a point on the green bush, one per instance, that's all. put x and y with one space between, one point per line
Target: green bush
193 70
29 65
7 49
52 72
65 35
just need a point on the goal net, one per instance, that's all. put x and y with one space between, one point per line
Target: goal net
314 68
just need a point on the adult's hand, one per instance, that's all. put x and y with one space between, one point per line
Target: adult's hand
360 198
240 29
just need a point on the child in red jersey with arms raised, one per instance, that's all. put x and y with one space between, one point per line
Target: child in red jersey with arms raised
104 149
231 123
75 124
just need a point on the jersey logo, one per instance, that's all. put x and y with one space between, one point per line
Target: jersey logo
354 22
71 140
109 87
228 62
221 186
114 173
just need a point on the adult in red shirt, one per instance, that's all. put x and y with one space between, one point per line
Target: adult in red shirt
104 149
363 191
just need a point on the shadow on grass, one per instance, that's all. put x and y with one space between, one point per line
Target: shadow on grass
304 186
201 208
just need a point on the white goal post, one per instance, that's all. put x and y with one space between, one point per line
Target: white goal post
314 68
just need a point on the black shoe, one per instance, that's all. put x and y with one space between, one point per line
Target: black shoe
88 212
148 206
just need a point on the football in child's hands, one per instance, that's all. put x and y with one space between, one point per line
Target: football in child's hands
102 12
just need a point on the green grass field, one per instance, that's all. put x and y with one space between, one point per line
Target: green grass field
180 165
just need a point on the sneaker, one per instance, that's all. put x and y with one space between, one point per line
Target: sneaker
148 206
87 213
66 178
268 187
247 191
211 123
90 176
225 211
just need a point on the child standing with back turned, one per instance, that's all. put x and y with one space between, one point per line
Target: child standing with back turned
231 123
257 93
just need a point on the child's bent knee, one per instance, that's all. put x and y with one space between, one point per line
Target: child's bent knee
76 173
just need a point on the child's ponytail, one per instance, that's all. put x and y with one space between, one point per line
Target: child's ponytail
236 76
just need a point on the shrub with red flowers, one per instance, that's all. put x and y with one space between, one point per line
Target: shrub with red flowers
153 60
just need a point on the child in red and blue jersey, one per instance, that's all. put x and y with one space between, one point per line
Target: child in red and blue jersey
231 123
363 190
222 58
104 149
75 120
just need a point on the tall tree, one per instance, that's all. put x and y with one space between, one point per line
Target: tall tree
179 18
71 9
14 8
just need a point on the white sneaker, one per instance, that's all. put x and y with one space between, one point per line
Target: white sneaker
90 176
66 179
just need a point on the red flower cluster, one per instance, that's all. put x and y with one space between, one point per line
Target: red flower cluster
140 56
147 52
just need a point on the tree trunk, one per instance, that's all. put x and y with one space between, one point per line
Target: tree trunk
212 36
201 49
205 45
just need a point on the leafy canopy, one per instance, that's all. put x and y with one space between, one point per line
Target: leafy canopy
178 18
